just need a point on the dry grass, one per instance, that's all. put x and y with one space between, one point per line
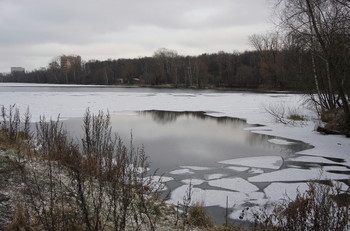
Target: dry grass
199 217
317 209
93 185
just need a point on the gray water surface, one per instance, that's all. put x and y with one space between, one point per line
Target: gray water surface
173 139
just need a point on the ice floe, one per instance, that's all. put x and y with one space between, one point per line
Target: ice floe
212 197
255 171
280 142
162 178
237 169
291 174
214 176
181 171
236 184
277 191
336 168
196 168
193 181
271 162
312 159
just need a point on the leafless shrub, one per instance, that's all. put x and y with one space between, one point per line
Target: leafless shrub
99 182
316 209
287 116
186 204
20 220
12 124
199 217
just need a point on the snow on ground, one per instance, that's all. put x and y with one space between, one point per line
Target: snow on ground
72 101
271 162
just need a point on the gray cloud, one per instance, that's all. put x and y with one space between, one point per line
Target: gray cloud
34 31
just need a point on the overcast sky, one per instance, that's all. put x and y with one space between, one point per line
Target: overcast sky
33 32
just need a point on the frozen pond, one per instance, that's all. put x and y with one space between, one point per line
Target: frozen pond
217 155
180 139
193 136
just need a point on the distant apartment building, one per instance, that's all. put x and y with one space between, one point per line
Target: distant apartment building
17 70
68 62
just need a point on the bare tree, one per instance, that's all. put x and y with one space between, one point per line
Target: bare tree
168 58
325 26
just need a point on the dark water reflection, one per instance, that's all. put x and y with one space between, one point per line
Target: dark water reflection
173 139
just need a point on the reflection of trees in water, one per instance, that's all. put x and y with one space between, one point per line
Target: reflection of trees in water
164 117
229 120
237 125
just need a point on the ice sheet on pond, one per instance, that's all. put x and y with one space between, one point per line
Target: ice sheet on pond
49 102
255 171
236 184
291 174
162 178
73 104
312 159
214 176
336 168
194 181
237 169
280 142
271 162
196 168
181 171
284 190
157 183
213 197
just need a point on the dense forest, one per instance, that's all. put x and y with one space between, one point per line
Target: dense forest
283 69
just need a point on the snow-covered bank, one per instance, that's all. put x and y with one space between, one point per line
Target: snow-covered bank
73 101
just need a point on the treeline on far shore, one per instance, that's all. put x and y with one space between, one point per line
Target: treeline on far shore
277 69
